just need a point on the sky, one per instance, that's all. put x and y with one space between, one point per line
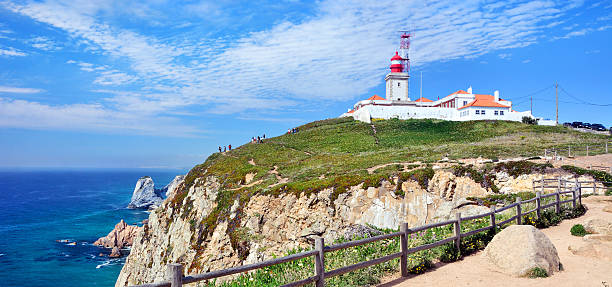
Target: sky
162 84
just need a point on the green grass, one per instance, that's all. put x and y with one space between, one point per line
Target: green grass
336 153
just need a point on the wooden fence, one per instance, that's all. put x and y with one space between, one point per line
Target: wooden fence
540 202
570 151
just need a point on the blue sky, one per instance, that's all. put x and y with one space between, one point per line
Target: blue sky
161 84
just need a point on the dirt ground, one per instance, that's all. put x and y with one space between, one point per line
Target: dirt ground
586 161
474 270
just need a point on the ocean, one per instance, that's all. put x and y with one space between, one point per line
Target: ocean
37 208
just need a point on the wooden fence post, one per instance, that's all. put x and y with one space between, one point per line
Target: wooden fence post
494 228
569 151
175 274
519 216
458 231
606 146
542 186
558 206
404 247
545 153
574 198
579 192
558 183
594 187
320 262
587 150
538 203
555 155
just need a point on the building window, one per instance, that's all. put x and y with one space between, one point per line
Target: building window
398 84
501 113
464 103
482 112
496 113
478 112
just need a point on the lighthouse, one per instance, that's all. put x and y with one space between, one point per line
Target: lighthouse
397 80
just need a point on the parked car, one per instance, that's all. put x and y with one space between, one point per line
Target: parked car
598 127
567 124
577 124
586 125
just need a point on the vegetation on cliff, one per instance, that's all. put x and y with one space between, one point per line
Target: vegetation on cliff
337 154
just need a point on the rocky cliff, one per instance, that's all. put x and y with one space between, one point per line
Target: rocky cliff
206 228
261 226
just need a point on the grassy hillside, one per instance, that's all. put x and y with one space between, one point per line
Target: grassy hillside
338 147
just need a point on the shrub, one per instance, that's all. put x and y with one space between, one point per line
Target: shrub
578 230
537 272
530 120
449 253
598 175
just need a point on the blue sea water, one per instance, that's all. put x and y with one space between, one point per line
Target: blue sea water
39 207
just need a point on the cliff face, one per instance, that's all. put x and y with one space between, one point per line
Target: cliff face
265 225
145 195
185 229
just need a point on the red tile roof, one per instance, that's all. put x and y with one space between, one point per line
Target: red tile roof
460 92
424 100
351 111
484 101
375 98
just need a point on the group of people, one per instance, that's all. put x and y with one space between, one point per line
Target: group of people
258 139
225 148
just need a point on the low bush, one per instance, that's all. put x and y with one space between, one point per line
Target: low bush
537 272
578 230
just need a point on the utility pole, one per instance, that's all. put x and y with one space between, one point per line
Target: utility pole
557 101
531 105
421 84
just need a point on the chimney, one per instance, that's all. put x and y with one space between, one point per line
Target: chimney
496 95
469 90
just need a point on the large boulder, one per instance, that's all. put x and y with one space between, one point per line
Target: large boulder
170 189
519 248
145 195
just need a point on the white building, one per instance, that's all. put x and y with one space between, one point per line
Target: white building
458 106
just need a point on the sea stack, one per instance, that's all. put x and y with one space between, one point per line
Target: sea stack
145 195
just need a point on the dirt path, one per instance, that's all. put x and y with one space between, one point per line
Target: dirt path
474 270
586 161
281 180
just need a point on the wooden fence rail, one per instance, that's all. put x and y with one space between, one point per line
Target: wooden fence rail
570 151
175 276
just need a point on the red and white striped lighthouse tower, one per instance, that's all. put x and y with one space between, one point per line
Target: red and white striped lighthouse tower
396 64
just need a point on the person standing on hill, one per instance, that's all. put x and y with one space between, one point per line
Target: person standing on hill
230 147
219 148
224 148
264 136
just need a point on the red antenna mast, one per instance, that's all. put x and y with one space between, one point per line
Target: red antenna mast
404 50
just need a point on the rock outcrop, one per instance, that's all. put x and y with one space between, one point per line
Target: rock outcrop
519 248
121 236
145 195
170 189
265 226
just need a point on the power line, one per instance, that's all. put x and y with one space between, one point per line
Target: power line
583 102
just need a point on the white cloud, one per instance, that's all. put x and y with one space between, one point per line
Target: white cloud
86 117
526 61
338 53
43 43
505 56
17 90
11 52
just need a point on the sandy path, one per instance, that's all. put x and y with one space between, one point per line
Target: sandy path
475 271
586 161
